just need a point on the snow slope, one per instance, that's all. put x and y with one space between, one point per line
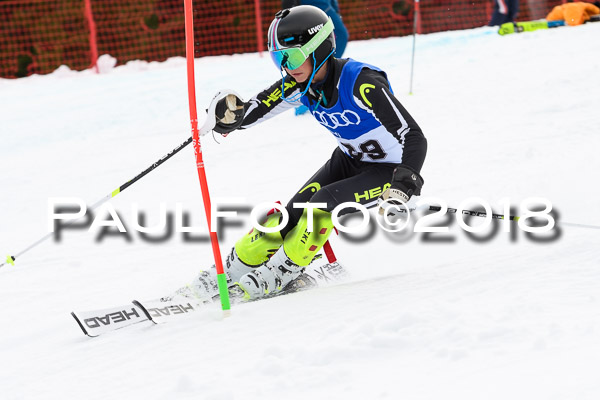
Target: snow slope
424 317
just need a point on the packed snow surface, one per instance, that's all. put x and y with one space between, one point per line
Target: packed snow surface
501 315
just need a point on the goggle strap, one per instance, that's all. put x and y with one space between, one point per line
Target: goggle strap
319 38
312 44
299 95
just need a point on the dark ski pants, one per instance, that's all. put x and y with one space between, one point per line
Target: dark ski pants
504 11
342 179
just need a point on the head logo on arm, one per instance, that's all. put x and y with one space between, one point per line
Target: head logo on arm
314 187
364 89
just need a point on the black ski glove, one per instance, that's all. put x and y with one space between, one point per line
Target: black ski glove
405 183
229 114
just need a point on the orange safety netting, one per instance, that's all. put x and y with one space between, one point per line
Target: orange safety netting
38 36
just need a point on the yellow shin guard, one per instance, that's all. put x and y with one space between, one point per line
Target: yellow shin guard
300 245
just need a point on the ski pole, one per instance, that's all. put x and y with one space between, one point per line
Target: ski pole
512 217
189 55
472 213
11 259
412 63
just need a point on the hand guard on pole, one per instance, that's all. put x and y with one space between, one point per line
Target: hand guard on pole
225 113
405 184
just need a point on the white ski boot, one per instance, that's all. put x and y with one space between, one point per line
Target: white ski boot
204 286
271 277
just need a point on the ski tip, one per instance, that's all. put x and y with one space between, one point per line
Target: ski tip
80 324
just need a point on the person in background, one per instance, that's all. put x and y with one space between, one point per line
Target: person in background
332 10
574 13
504 11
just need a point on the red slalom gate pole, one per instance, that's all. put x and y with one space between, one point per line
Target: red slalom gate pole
259 33
89 15
189 51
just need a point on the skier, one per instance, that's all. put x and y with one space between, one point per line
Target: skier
380 152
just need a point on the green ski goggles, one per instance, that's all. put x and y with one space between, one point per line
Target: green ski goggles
293 57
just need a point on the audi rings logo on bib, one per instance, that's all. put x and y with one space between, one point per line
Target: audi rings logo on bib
335 120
